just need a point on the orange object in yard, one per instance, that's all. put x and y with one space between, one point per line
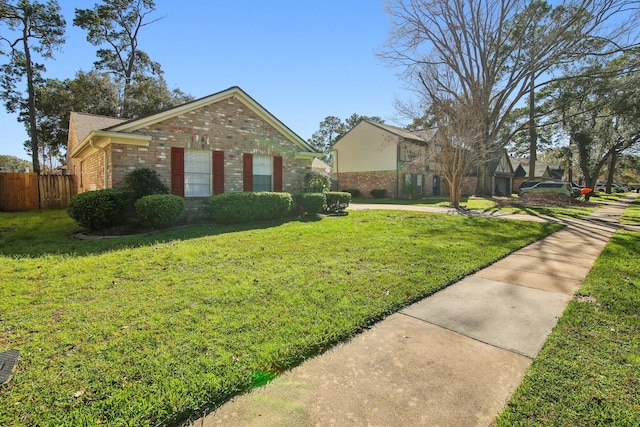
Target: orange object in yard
585 191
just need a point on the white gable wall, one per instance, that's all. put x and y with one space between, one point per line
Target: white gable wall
366 148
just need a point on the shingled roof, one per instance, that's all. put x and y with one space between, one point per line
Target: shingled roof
86 123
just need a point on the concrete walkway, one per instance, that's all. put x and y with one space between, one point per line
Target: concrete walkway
452 359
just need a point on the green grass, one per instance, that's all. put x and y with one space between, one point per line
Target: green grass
588 373
631 214
490 205
152 330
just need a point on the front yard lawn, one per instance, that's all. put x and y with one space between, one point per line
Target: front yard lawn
151 330
536 206
588 373
631 214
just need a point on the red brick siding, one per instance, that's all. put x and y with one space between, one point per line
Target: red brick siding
228 126
367 181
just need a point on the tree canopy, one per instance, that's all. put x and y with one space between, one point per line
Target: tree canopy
600 115
489 54
33 32
125 83
13 163
116 24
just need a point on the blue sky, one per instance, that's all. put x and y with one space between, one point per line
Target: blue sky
302 60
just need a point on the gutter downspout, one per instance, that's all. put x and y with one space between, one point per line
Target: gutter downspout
106 166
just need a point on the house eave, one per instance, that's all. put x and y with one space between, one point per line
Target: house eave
97 140
306 155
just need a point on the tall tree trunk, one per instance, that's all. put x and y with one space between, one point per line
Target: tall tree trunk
613 158
533 135
33 128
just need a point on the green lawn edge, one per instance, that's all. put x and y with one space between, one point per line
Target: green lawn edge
155 329
588 373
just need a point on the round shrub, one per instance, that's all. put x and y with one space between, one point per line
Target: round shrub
312 203
353 191
378 193
98 209
159 210
144 182
315 182
336 201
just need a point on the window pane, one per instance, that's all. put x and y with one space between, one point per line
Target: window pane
197 173
262 171
261 182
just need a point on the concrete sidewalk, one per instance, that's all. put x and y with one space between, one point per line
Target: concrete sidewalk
452 359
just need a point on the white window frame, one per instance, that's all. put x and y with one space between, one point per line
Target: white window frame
197 173
262 167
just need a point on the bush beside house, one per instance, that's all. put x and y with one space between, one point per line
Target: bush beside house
312 203
159 210
378 193
235 208
336 201
98 209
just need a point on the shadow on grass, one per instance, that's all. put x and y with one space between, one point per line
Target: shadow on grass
539 211
37 236
426 201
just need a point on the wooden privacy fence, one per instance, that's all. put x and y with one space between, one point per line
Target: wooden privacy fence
25 191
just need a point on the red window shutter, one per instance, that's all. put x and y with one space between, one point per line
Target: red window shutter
218 172
277 174
177 171
247 172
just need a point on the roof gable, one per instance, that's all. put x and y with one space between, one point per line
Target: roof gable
503 165
235 92
84 123
422 135
403 134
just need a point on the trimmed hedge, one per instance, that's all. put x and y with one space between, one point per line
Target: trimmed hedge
234 208
336 201
378 193
312 203
159 210
98 209
353 191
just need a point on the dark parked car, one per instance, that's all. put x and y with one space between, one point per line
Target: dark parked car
527 184
557 187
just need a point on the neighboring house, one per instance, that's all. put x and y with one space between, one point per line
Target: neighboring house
543 172
502 175
379 156
224 142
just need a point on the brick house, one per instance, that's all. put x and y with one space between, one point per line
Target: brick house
224 142
380 156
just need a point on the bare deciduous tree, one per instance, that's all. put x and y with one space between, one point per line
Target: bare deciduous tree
454 150
490 54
